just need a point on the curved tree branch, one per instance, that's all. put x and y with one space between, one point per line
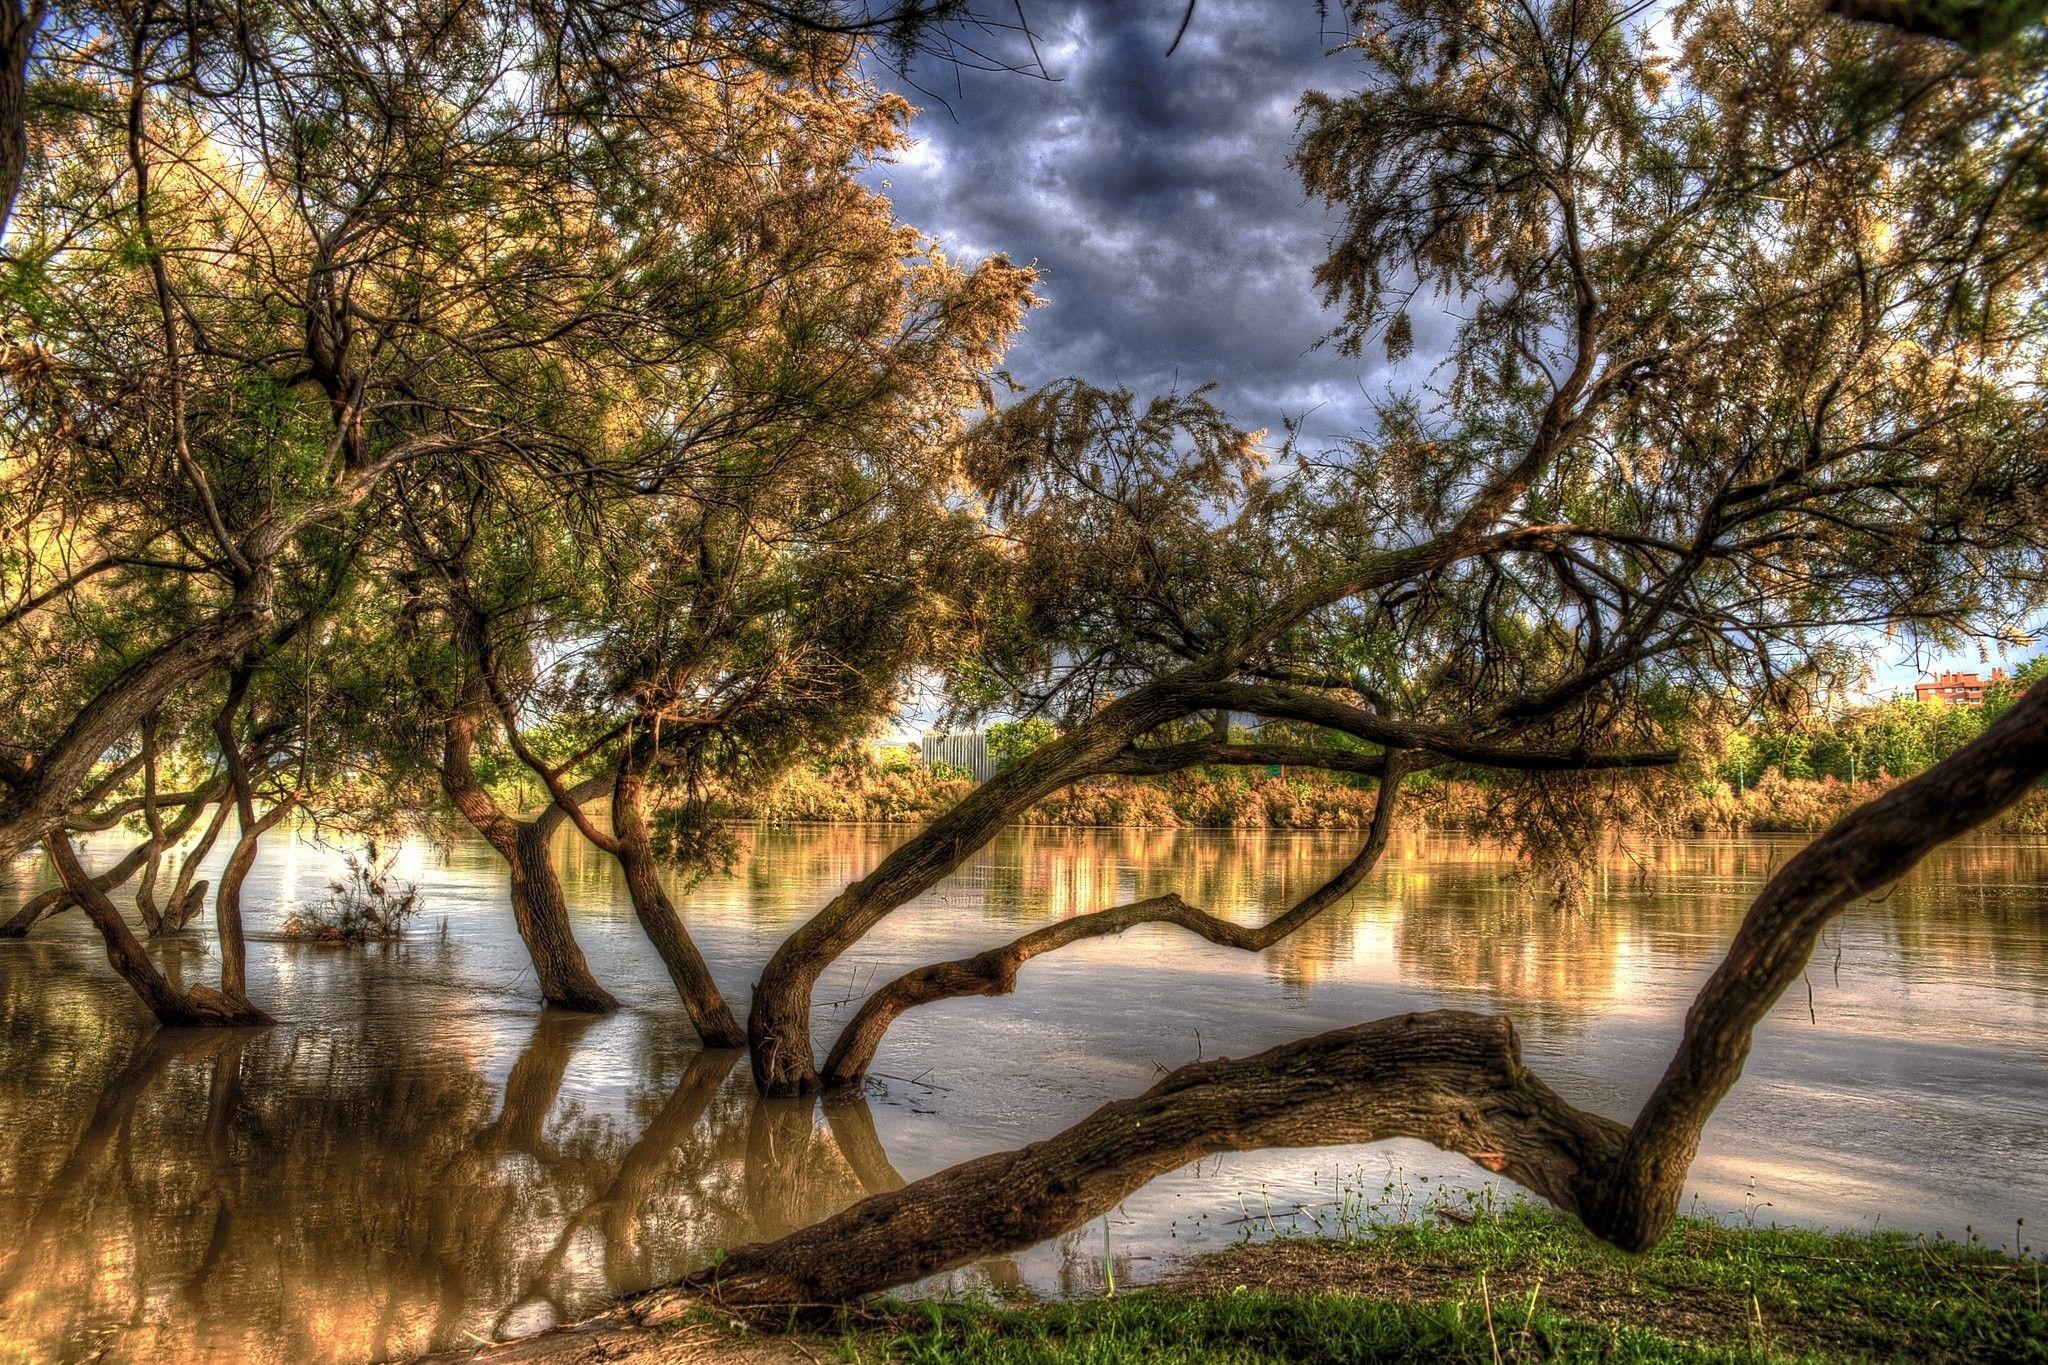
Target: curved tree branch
1448 1078
994 972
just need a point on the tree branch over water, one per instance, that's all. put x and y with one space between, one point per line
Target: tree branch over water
1452 1079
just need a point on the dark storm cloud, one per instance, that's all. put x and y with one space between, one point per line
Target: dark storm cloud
1155 195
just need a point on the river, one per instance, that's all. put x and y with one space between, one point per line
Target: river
418 1156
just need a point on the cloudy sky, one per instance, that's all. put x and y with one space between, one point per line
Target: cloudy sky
1154 194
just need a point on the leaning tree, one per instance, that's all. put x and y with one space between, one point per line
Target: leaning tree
1745 372
1735 368
1449 1078
264 265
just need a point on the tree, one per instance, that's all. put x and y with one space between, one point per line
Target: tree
1449 1078
1730 389
275 274
766 548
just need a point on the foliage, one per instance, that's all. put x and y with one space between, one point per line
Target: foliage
1009 740
1895 738
369 904
851 787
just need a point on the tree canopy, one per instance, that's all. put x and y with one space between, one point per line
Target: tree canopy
410 404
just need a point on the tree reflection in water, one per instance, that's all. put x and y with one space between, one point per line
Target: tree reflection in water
239 1195
419 1157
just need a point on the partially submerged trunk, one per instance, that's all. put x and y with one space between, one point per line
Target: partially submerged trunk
542 914
779 1024
538 907
995 972
631 845
188 891
1449 1078
197 1006
227 905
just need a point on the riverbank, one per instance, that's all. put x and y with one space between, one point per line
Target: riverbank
856 789
1522 1285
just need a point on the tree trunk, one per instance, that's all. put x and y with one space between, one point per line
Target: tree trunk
188 895
1859 855
779 1024
227 903
543 918
995 972
199 1006
709 1014
1448 1078
58 898
18 27
46 796
537 903
1452 1079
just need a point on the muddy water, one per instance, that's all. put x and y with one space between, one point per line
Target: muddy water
419 1157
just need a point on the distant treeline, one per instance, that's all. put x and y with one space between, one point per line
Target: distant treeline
1890 739
1770 779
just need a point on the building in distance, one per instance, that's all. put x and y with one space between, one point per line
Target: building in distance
1958 689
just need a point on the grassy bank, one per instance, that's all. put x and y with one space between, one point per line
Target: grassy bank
1524 1285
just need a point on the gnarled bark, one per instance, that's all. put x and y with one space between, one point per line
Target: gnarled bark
1448 1078
994 972
1862 853
779 1023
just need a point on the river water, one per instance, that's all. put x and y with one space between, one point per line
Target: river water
419 1157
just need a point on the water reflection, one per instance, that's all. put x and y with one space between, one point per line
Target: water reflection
420 1157
248 1196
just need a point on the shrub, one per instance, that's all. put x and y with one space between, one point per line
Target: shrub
368 905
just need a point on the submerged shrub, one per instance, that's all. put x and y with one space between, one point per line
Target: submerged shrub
369 904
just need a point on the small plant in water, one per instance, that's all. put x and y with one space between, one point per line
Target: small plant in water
369 904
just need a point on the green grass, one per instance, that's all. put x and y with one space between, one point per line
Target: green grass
1415 1293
